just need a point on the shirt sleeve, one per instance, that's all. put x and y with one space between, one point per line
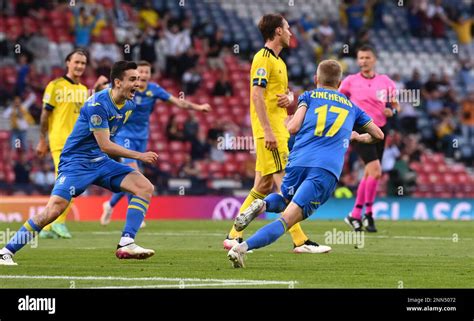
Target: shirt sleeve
49 97
303 100
391 89
261 67
362 120
97 116
345 87
160 93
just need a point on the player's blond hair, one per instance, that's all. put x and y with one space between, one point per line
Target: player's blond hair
329 73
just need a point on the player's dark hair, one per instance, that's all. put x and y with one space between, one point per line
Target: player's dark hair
268 24
329 73
367 48
80 51
119 68
143 63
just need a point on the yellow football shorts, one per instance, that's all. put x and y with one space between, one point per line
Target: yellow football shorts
269 162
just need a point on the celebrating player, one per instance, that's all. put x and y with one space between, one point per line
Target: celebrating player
269 99
135 134
85 161
323 125
375 94
63 99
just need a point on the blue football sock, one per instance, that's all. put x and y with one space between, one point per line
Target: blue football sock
136 211
116 198
25 234
129 197
275 203
267 234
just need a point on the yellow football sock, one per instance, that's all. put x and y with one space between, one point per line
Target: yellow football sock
61 218
253 195
297 235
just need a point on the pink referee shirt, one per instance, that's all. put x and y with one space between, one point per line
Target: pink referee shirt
369 94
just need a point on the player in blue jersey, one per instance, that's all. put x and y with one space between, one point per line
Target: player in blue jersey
323 124
85 161
135 134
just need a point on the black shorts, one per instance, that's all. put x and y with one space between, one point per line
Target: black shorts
371 152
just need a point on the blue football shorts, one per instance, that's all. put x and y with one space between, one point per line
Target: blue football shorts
74 177
308 187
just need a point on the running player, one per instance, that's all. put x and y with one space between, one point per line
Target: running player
63 99
375 94
85 161
269 99
323 125
135 134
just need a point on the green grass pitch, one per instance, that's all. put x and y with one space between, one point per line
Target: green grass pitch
189 254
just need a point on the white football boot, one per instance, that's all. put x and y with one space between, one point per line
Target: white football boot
243 219
312 248
236 257
6 259
133 251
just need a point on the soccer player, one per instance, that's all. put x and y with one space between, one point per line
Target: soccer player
323 125
375 94
85 161
63 99
269 98
135 134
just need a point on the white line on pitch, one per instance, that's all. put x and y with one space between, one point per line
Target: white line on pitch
196 233
119 278
182 286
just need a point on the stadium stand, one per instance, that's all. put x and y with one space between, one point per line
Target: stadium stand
437 136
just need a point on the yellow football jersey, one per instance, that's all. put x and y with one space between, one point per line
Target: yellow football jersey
64 99
269 72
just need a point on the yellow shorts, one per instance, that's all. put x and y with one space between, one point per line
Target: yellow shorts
269 162
55 154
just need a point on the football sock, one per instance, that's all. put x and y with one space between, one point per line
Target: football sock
275 203
116 197
61 219
267 234
124 240
370 193
360 199
297 234
135 214
25 234
253 195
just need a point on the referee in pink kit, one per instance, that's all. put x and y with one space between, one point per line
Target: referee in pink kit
375 94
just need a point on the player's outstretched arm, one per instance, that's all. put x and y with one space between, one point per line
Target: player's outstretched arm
107 146
374 134
42 147
100 83
294 124
259 102
183 103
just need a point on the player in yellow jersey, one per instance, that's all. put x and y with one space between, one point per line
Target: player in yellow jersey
269 98
62 101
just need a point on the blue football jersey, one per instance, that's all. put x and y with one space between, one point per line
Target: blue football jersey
99 112
325 132
137 125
